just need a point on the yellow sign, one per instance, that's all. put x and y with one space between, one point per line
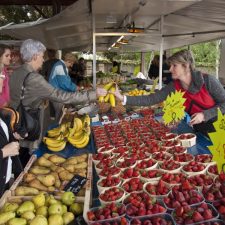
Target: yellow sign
173 107
217 138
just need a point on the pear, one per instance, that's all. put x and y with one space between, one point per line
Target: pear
25 206
24 191
17 221
42 161
76 208
55 209
57 180
28 215
50 200
64 208
38 185
55 219
39 170
68 198
43 210
6 216
56 159
39 200
48 179
10 207
68 217
39 220
28 177
47 155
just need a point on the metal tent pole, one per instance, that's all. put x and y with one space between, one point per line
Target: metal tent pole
161 53
94 52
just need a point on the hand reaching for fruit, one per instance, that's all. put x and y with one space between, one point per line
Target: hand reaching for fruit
101 92
117 94
197 118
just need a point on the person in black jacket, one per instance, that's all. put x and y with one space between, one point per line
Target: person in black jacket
9 151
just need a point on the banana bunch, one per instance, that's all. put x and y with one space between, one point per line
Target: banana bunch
109 97
80 138
55 144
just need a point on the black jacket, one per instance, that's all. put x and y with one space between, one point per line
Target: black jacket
16 164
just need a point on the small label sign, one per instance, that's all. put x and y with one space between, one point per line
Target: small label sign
75 184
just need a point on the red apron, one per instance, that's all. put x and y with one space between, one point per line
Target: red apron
196 102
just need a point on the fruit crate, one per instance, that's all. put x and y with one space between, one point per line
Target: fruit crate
32 159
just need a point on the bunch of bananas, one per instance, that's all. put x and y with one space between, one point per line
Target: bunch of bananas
110 96
137 92
76 132
80 135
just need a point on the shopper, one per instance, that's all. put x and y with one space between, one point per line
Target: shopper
5 59
38 89
60 79
203 92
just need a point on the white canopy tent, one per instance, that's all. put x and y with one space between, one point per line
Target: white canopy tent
94 25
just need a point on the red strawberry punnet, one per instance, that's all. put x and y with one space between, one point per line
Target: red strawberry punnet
134 184
106 212
173 178
153 220
145 164
177 150
151 174
127 162
204 158
201 180
129 173
111 195
109 171
184 157
178 198
157 189
214 193
161 156
194 167
170 165
137 198
193 214
109 181
100 156
213 169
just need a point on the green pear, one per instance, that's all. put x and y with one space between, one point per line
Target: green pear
68 217
17 221
64 207
39 200
68 198
50 200
6 216
76 208
55 219
39 220
43 210
10 207
28 215
25 206
55 209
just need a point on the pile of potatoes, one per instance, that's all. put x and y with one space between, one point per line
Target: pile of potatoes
50 173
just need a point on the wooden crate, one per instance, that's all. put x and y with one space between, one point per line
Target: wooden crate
32 159
88 192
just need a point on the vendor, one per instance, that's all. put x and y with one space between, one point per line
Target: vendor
203 92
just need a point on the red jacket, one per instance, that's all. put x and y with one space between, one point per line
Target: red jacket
196 102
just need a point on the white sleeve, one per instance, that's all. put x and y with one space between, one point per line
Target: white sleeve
124 102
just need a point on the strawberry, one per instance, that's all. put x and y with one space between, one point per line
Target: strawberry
197 217
208 214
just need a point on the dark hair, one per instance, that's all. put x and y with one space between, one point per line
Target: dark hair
51 53
3 48
115 63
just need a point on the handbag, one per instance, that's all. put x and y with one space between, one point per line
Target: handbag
28 125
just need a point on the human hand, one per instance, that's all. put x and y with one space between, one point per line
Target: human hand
11 149
18 137
197 118
117 94
101 92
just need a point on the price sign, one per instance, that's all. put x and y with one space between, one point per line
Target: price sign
218 140
173 107
75 184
